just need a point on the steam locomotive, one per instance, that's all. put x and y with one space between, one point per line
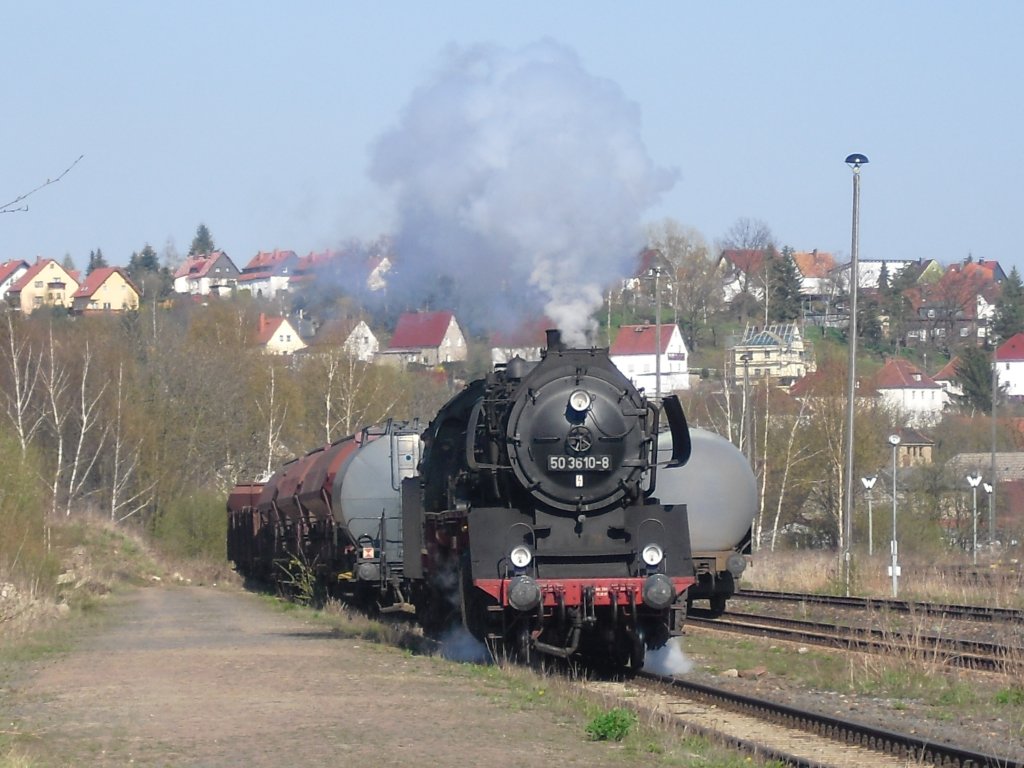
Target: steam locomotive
528 511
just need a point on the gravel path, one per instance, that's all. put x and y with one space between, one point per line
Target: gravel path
196 676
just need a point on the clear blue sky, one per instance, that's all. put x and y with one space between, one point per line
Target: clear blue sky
261 118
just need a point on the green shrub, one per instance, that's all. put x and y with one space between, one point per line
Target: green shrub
613 725
194 526
23 509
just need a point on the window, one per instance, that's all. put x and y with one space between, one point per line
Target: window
39 283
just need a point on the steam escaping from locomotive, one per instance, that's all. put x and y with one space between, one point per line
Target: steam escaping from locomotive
520 182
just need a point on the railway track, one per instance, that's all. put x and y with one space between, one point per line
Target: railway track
974 612
970 654
827 740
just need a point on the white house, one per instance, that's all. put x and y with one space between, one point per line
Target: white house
277 336
205 274
635 353
10 272
910 391
1010 366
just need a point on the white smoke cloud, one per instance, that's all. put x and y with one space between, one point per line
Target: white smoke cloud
520 181
668 660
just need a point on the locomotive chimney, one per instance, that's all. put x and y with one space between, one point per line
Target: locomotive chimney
554 338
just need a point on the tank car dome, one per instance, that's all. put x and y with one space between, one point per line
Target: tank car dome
716 485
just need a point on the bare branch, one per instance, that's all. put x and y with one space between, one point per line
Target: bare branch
14 207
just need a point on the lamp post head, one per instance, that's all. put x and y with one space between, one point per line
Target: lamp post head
974 480
856 160
869 482
894 440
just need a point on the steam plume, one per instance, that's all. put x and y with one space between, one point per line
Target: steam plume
520 182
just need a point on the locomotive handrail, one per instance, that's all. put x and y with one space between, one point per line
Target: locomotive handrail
681 445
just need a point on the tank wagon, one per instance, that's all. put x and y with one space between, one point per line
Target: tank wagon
720 493
528 511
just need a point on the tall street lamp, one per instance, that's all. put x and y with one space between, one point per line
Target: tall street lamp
974 481
869 483
894 569
656 271
855 161
746 419
989 490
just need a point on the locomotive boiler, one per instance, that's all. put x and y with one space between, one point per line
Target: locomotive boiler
536 501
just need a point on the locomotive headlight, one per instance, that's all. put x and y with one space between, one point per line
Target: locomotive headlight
523 593
736 564
652 554
658 591
520 556
580 401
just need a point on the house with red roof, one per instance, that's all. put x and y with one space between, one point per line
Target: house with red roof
816 270
526 342
947 379
636 353
44 284
957 308
106 289
425 338
268 272
10 272
352 335
277 336
743 270
1010 366
207 273
910 392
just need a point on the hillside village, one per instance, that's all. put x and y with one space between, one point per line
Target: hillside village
750 337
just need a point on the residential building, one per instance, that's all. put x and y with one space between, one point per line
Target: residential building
106 289
526 342
777 351
277 336
909 391
44 284
1010 366
948 380
206 274
915 448
742 271
268 272
353 336
10 272
635 352
817 270
425 338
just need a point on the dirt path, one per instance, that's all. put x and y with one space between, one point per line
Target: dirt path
194 676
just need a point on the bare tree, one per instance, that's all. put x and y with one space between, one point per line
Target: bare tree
124 500
88 416
19 392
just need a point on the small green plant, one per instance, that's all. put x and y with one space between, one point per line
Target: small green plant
1013 697
613 725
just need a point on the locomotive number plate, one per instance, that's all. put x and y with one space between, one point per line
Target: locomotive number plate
592 463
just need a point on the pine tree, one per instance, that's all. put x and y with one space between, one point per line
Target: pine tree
783 286
202 242
974 375
96 261
883 278
1009 314
144 261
